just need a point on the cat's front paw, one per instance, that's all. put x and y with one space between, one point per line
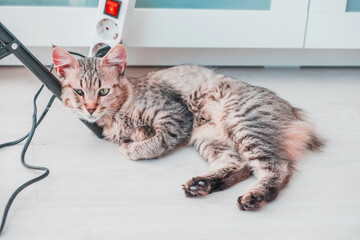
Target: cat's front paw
196 187
127 149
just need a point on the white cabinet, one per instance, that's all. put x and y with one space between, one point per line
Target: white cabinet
281 26
246 32
43 26
333 24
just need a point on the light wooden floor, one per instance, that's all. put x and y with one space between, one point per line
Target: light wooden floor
95 193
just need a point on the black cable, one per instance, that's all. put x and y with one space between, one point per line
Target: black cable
29 137
37 124
77 54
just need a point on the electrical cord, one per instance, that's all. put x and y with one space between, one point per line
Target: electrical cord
42 115
35 123
8 144
77 54
29 137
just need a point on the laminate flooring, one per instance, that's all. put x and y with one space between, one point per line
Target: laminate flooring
93 192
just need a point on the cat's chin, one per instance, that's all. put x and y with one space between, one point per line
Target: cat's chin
90 119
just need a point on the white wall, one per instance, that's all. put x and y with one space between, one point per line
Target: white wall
278 38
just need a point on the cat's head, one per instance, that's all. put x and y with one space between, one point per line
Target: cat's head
92 87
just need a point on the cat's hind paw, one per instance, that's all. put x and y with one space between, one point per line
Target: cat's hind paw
196 187
251 201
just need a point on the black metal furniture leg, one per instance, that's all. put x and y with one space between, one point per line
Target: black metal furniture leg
9 44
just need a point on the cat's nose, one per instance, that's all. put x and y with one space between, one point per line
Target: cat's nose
91 110
91 107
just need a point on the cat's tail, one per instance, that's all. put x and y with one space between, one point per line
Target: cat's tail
299 136
314 142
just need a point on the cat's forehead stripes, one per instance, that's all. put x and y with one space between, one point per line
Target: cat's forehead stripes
89 76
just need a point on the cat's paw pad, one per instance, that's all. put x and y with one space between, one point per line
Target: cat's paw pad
251 201
197 187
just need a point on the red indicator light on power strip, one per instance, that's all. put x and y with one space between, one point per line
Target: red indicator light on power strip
112 8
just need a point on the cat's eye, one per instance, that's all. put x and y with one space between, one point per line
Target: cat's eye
79 91
104 91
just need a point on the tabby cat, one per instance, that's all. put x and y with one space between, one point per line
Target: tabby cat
238 128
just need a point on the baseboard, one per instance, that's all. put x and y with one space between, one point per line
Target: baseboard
219 57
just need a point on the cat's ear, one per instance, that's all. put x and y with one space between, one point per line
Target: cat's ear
63 60
115 57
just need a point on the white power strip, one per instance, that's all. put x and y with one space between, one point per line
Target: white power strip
112 17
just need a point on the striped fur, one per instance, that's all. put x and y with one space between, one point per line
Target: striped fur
147 118
238 128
